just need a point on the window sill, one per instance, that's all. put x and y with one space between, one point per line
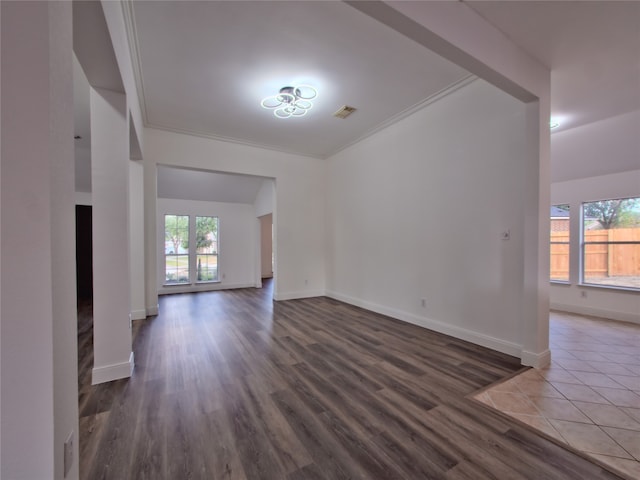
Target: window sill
169 285
566 283
609 287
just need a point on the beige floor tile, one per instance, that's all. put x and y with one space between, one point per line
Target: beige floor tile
575 364
560 353
484 398
607 415
612 368
596 379
538 388
589 438
634 412
629 467
512 403
589 355
620 397
622 358
582 393
635 369
559 375
539 423
631 382
508 386
627 439
559 409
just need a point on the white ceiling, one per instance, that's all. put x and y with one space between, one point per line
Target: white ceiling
591 47
207 186
205 66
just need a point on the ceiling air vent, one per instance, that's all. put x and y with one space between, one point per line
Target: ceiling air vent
344 111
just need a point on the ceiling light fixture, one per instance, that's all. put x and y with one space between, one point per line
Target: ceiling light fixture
291 101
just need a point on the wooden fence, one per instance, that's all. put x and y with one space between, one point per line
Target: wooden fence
600 260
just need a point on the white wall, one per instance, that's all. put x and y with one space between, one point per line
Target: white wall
298 206
604 302
39 393
236 242
417 211
264 198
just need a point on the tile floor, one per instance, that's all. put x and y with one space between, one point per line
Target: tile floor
589 397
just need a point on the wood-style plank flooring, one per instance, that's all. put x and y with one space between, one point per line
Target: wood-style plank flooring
232 385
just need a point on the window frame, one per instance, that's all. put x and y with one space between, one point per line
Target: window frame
216 254
583 248
176 254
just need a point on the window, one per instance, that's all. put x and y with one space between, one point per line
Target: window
611 243
559 246
176 249
207 249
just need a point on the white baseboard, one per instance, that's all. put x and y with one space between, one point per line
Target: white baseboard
152 311
109 373
596 312
462 333
138 314
296 295
536 360
203 287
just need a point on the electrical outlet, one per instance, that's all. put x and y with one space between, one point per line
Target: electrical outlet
306 281
423 302
506 234
68 454
583 293
224 275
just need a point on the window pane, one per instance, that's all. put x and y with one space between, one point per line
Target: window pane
559 251
176 248
207 268
176 269
207 249
611 239
207 235
176 234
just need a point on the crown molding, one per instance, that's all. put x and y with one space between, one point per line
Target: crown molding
134 50
236 141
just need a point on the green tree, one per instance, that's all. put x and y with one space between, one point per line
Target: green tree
612 213
204 227
176 231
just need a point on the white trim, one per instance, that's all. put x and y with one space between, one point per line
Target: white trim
597 312
134 51
536 360
109 373
238 141
201 287
153 310
138 314
508 348
296 295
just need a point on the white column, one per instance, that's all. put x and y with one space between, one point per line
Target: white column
113 357
136 239
535 311
39 391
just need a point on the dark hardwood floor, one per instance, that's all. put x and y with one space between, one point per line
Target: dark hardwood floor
232 385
